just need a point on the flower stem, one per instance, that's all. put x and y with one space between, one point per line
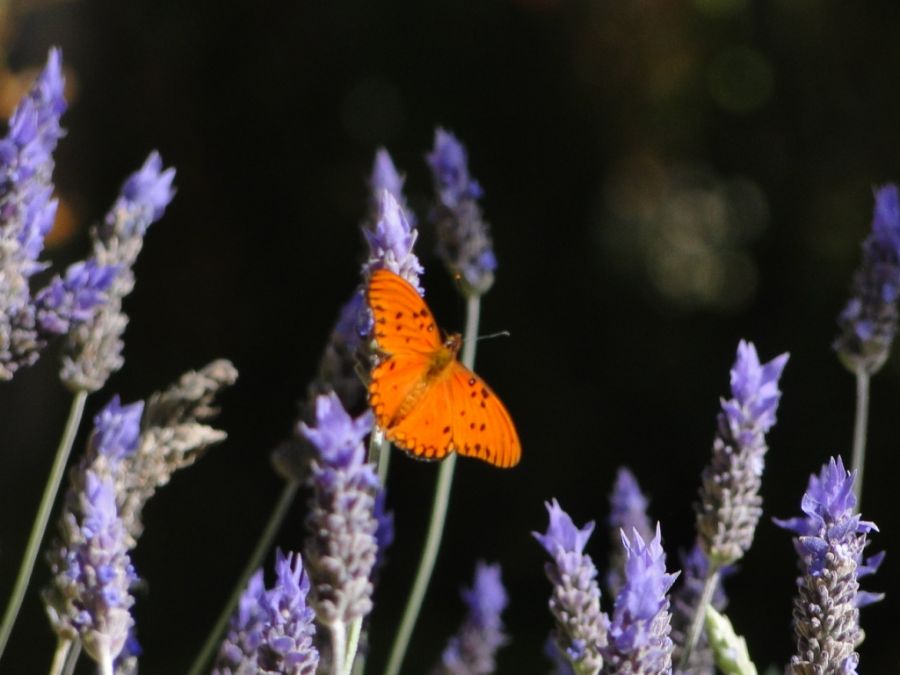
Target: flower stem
380 453
352 645
859 431
253 563
338 647
709 587
72 658
43 516
438 516
60 656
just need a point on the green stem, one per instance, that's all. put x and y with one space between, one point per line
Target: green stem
255 560
60 657
709 587
859 432
338 647
380 453
72 658
352 645
43 517
438 516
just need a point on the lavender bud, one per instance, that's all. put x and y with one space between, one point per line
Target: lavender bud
94 348
472 650
341 548
628 511
72 299
830 544
868 322
639 639
581 628
730 505
272 630
89 596
464 241
391 240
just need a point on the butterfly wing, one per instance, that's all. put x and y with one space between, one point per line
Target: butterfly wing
403 322
481 425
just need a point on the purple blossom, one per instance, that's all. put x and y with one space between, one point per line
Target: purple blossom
27 212
94 348
391 239
639 639
342 548
472 650
89 596
73 298
730 505
272 630
464 242
830 544
386 177
628 511
868 322
117 430
581 628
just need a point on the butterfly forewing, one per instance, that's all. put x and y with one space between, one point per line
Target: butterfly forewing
402 321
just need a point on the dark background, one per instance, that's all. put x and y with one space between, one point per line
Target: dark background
663 178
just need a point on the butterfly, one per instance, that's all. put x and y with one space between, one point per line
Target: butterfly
426 401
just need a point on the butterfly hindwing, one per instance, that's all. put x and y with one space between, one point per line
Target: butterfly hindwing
482 427
403 322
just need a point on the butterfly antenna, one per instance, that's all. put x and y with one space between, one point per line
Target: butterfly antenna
502 333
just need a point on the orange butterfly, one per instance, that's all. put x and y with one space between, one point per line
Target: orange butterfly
424 399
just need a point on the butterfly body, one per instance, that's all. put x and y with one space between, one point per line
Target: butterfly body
425 400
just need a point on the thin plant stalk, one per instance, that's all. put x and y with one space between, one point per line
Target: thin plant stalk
709 587
352 645
253 563
338 632
438 516
60 657
39 528
72 658
859 431
380 453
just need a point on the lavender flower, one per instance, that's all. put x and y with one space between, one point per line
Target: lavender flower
341 549
628 511
94 348
581 628
391 241
74 298
472 650
90 597
464 242
730 505
830 544
868 322
272 631
639 633
386 177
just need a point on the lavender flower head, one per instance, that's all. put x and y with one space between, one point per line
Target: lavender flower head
386 177
472 650
868 322
391 241
639 639
26 216
464 241
341 548
90 595
272 630
628 511
830 544
581 628
94 348
730 505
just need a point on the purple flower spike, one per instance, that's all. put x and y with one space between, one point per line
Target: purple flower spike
272 631
386 177
464 242
868 322
117 430
628 511
89 596
26 213
94 348
830 544
581 628
342 549
730 505
639 639
73 298
472 650
391 241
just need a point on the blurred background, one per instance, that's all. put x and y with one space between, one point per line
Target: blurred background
663 178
